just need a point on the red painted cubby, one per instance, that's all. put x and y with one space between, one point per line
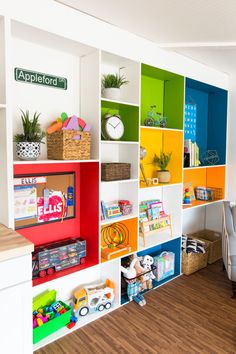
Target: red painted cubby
86 221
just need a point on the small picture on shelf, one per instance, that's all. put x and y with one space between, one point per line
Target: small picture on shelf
43 198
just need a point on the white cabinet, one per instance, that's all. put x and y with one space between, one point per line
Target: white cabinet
15 319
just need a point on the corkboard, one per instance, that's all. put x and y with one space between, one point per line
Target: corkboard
55 182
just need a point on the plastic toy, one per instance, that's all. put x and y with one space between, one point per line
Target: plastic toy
93 297
68 123
116 238
56 256
187 197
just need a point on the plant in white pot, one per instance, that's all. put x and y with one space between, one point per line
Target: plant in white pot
162 161
111 84
28 143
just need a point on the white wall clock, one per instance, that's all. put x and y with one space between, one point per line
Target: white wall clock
112 127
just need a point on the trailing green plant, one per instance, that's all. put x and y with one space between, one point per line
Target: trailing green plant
113 81
32 131
162 161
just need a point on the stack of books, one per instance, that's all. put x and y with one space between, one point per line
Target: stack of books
191 154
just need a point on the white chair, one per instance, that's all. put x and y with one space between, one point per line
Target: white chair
229 242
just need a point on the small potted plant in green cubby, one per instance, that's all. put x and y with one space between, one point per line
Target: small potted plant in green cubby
28 143
162 162
111 84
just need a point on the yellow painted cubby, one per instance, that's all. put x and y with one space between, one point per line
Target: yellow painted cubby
156 140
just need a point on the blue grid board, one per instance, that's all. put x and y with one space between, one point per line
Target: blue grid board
190 121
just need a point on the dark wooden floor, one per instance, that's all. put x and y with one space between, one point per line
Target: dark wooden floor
193 314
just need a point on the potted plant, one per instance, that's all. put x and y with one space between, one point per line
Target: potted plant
28 142
162 162
111 84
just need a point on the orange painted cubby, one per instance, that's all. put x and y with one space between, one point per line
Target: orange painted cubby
132 226
205 177
156 140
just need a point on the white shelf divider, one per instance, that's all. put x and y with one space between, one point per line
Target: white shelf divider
118 219
120 102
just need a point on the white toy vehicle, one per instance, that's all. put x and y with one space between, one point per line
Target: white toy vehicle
93 297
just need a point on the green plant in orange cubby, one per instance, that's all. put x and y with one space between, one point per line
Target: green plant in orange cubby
162 161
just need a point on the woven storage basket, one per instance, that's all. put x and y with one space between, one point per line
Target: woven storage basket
115 171
61 145
213 240
192 262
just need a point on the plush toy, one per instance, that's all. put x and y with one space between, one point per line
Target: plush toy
133 283
147 262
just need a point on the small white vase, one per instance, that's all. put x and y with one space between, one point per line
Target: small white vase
28 150
111 93
163 176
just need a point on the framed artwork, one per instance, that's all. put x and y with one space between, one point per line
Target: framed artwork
44 198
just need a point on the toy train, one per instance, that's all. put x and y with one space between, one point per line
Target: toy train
56 256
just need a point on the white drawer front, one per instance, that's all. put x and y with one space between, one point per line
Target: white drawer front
15 271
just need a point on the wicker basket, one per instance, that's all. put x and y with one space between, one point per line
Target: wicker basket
192 262
213 240
61 145
115 171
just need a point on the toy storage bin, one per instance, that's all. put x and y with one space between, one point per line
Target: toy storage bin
208 193
192 262
115 171
213 241
66 145
164 265
53 325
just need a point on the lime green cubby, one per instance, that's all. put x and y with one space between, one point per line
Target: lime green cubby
46 299
129 115
165 90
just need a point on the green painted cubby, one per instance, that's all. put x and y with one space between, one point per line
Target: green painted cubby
165 90
129 115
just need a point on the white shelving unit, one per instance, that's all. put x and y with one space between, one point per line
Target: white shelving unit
46 44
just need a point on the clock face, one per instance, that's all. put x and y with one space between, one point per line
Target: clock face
114 128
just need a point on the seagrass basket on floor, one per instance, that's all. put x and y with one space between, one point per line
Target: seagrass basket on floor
115 171
69 145
213 240
192 262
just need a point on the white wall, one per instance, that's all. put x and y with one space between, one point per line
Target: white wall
64 21
231 153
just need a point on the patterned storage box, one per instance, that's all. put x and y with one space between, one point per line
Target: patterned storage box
165 265
203 193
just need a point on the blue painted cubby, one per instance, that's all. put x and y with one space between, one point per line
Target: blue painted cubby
171 246
211 117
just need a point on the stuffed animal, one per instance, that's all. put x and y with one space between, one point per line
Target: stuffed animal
147 262
133 283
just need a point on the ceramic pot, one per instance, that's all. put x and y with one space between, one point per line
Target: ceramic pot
28 150
163 176
111 93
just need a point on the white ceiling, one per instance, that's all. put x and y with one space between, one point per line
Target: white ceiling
204 30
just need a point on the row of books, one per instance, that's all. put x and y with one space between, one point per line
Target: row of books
150 210
191 154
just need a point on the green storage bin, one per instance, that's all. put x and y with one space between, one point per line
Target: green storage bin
53 325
